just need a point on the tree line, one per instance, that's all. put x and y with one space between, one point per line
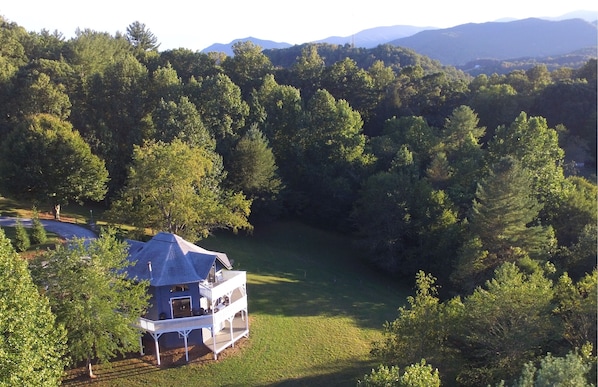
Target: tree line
431 170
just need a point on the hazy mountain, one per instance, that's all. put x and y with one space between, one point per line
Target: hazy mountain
227 47
373 37
502 40
589 16
471 45
367 38
574 60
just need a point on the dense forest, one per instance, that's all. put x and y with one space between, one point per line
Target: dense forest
482 183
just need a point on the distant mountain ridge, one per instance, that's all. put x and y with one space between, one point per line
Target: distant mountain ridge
467 43
499 40
373 37
227 47
369 38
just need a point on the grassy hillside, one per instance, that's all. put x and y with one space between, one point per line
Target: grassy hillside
314 305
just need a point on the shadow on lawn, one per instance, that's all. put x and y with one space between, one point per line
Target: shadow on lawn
131 366
295 270
369 305
117 370
329 376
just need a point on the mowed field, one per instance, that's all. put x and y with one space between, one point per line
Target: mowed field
315 308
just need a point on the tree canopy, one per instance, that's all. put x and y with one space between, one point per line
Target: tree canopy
92 297
33 342
426 167
47 160
177 188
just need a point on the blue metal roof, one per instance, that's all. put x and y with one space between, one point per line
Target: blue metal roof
168 259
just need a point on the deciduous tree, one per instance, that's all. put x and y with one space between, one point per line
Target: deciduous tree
32 347
422 328
221 106
181 120
91 295
46 159
333 158
247 67
506 323
175 187
536 146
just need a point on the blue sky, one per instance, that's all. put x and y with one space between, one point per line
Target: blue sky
198 24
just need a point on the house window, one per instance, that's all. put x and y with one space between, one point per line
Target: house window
179 288
181 307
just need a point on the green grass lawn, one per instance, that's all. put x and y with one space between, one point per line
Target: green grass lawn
315 308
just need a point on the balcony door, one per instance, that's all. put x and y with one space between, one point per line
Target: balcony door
181 307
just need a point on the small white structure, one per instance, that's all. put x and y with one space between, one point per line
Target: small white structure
195 294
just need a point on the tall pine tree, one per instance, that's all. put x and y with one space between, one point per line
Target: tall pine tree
503 224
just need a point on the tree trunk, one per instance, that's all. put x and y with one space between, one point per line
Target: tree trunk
91 374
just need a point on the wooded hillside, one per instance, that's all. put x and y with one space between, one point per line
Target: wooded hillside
430 169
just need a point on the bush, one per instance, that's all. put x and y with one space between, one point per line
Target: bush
571 370
22 241
415 375
38 232
382 377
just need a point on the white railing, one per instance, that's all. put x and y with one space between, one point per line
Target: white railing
230 310
195 322
175 324
231 280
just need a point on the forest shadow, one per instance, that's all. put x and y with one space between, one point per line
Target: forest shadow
301 294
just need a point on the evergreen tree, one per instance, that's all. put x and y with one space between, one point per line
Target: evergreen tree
141 37
460 142
252 169
92 297
577 305
502 224
22 241
38 232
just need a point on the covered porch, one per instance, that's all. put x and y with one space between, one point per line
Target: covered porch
224 324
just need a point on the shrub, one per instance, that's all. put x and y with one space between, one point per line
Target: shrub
415 375
38 232
22 241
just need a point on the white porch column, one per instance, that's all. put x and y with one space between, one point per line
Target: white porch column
230 324
141 345
246 321
185 334
156 336
214 342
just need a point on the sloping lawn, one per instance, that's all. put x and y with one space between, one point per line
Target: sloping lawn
314 309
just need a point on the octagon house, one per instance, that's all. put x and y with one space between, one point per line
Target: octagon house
196 297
